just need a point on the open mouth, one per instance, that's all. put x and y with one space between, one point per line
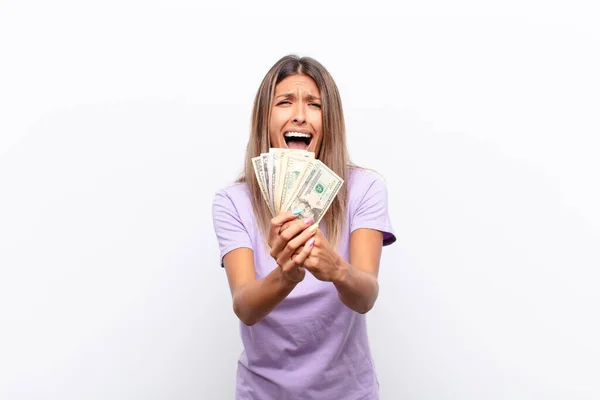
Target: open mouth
297 140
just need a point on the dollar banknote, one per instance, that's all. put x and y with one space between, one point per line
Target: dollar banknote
266 161
259 171
278 171
291 179
274 171
293 170
315 192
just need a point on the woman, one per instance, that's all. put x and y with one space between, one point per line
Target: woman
301 290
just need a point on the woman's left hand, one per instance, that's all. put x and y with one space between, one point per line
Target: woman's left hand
323 262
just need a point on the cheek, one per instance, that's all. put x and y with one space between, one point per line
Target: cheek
274 128
318 123
272 124
277 141
319 135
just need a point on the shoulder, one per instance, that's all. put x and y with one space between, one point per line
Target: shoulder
232 207
360 174
368 203
232 202
235 193
234 190
232 218
361 180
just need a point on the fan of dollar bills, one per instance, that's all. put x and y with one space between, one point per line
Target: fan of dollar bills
293 180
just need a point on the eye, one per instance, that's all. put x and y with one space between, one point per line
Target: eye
283 102
317 105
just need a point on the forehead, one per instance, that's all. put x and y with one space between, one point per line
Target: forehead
293 83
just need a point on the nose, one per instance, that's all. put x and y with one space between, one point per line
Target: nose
299 114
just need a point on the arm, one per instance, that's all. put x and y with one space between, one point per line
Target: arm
355 281
254 298
357 284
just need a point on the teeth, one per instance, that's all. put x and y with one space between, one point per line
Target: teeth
297 134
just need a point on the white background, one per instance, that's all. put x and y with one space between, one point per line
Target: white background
120 120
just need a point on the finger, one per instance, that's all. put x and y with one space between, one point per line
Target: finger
292 245
293 238
277 222
286 225
282 240
298 260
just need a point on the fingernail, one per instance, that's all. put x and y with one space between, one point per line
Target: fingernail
309 220
311 242
314 228
297 212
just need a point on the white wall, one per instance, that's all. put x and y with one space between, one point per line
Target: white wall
119 121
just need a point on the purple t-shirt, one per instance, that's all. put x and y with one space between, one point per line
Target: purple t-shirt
311 346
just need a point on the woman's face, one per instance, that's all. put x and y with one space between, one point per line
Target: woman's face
296 118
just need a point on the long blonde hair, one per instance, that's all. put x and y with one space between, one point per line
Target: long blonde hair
332 152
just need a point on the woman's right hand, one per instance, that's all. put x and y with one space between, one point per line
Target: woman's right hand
286 235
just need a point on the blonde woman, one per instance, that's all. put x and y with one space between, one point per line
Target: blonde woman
301 290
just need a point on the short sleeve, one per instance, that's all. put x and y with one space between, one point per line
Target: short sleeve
372 211
231 232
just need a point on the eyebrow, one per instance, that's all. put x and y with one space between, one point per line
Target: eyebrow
308 96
